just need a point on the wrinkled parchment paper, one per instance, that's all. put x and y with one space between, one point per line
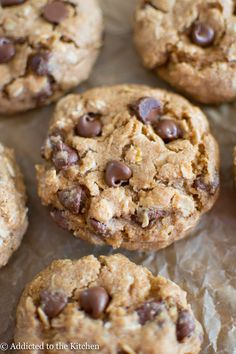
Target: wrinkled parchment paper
204 264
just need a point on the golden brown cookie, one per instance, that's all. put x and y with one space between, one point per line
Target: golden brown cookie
13 211
128 166
191 45
47 47
109 303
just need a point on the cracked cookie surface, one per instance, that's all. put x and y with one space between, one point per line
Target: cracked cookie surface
191 45
129 166
13 211
47 47
109 302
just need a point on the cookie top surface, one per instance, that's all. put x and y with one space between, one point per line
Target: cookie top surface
13 211
110 302
191 44
46 48
129 166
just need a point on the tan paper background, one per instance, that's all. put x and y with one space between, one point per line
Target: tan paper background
204 264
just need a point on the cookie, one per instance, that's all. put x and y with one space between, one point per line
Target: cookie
13 211
47 47
234 164
191 45
128 166
110 303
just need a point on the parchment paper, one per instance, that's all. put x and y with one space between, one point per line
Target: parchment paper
204 264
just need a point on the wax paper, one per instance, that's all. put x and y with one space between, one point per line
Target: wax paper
203 264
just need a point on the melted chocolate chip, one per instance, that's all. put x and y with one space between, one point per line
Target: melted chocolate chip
89 126
52 303
210 188
149 310
43 95
153 215
98 227
64 156
168 130
117 173
73 199
94 301
11 2
147 109
55 12
185 325
60 218
7 50
202 34
38 63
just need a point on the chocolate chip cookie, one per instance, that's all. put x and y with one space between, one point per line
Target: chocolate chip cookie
191 45
110 303
234 164
128 166
47 47
13 211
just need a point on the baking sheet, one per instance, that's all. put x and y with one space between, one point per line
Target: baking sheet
204 264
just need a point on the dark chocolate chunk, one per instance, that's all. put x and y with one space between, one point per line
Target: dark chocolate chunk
210 188
117 173
60 218
153 215
7 50
185 325
147 109
202 34
98 227
94 301
73 199
64 156
11 2
168 130
55 12
149 310
52 303
89 126
38 63
43 95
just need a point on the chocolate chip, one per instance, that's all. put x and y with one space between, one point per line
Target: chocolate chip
42 96
185 325
64 156
52 303
210 188
94 301
11 2
55 12
168 130
60 218
98 227
7 50
147 109
89 126
153 216
149 310
73 199
117 173
38 63
202 34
